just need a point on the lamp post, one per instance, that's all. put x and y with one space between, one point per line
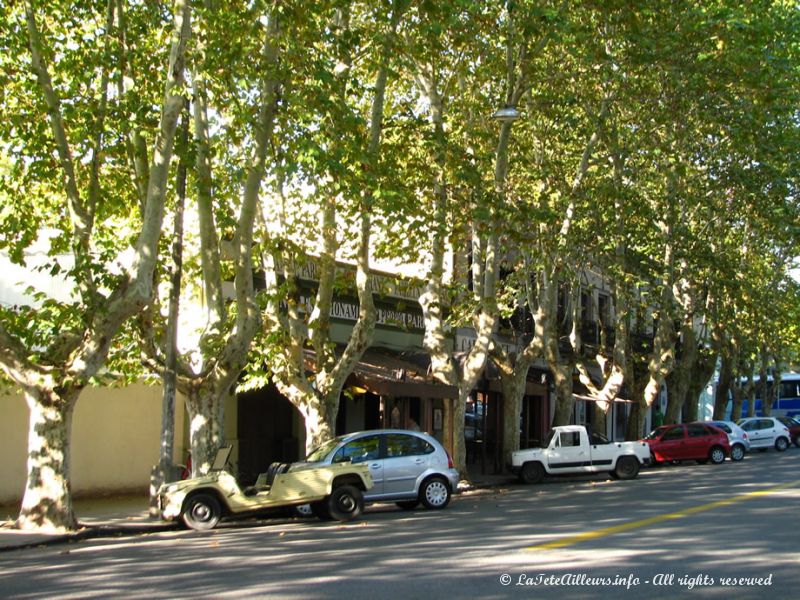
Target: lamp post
507 114
506 117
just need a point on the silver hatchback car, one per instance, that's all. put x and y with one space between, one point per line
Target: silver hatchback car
738 438
407 467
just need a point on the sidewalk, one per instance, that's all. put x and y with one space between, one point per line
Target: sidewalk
128 515
98 517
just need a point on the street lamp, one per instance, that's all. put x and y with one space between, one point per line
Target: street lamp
507 114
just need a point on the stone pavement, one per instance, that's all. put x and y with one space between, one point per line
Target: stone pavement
114 516
98 517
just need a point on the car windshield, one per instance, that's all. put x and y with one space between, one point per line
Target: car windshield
655 433
723 426
322 451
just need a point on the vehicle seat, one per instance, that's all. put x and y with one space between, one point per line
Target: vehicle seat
273 471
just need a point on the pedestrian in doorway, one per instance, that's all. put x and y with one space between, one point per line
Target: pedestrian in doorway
658 418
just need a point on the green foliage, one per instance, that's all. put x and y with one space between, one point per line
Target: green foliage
696 103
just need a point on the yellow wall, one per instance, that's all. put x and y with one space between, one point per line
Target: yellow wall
13 441
115 440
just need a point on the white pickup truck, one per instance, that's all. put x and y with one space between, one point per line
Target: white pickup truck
574 449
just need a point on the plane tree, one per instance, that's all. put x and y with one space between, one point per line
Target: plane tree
66 134
235 74
328 187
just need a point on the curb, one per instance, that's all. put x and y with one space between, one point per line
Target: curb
90 532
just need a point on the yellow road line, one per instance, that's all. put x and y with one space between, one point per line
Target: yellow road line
591 535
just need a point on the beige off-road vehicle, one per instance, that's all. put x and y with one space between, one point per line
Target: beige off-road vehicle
333 491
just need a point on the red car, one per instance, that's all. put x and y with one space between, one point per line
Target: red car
794 428
688 441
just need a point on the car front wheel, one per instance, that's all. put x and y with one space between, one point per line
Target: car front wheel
737 452
435 493
627 467
532 472
201 512
781 444
345 503
717 455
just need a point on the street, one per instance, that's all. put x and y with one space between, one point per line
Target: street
689 530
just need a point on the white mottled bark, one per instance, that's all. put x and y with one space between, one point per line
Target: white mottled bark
75 357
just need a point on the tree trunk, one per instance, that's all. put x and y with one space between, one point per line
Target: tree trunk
205 408
600 419
161 472
704 368
723 387
772 394
751 401
459 443
692 405
565 401
319 413
678 380
763 384
47 502
447 418
636 417
318 428
513 381
738 401
651 393
636 385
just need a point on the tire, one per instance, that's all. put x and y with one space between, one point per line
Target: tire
345 503
320 510
737 452
781 444
201 512
408 504
627 467
532 472
435 493
717 455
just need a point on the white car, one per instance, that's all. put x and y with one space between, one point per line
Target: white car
738 438
766 432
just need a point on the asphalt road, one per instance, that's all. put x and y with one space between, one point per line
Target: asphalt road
726 531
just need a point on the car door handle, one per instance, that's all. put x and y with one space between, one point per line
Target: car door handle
419 461
375 466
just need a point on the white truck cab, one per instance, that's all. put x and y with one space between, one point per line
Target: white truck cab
571 449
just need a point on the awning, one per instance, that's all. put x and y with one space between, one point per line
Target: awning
388 374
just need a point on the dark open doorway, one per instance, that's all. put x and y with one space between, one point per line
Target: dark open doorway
265 431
